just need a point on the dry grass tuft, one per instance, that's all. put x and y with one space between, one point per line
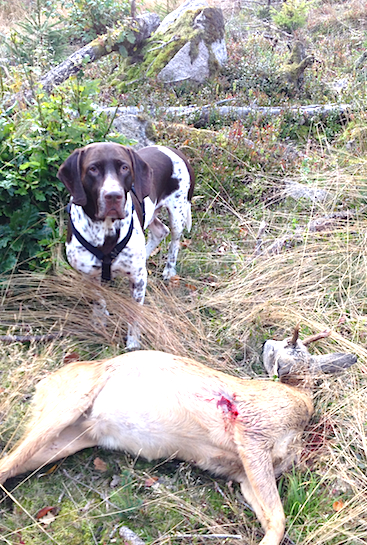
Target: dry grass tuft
12 12
63 304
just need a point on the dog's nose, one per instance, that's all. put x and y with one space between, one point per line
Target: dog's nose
113 197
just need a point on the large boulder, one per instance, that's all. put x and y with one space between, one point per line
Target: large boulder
132 123
188 45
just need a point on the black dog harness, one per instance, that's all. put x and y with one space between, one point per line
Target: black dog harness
106 259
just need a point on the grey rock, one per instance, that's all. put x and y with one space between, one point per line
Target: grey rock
181 68
299 191
134 126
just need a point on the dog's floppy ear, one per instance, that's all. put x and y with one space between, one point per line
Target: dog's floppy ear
143 175
69 174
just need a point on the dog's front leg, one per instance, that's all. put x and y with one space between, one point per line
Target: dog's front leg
138 286
100 311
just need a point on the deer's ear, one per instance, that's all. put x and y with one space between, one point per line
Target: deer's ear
270 362
333 363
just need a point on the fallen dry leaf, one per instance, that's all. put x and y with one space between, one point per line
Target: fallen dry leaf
42 512
73 356
151 481
99 464
47 519
191 287
338 505
49 471
174 281
46 515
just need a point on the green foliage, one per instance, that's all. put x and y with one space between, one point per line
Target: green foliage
33 144
292 15
90 18
38 40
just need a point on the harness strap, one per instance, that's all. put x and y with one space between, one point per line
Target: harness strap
106 259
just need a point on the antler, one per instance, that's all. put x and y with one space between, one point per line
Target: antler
316 337
294 338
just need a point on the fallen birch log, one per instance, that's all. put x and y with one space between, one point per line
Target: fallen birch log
241 112
232 112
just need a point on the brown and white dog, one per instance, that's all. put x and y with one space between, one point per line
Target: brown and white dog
159 405
116 193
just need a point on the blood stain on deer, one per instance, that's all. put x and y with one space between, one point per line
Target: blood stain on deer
229 409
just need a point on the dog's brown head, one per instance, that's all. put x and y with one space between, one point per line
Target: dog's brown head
99 177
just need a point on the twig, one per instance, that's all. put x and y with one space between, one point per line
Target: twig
290 239
207 536
174 39
259 240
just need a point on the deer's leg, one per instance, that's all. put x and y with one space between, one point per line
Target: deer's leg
260 491
70 440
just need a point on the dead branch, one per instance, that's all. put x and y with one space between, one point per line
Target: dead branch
290 239
207 536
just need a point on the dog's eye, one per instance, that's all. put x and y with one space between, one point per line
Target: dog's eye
93 169
125 168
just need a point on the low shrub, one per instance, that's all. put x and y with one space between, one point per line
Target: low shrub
33 144
90 18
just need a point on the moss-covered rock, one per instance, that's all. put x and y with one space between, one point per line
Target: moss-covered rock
192 48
